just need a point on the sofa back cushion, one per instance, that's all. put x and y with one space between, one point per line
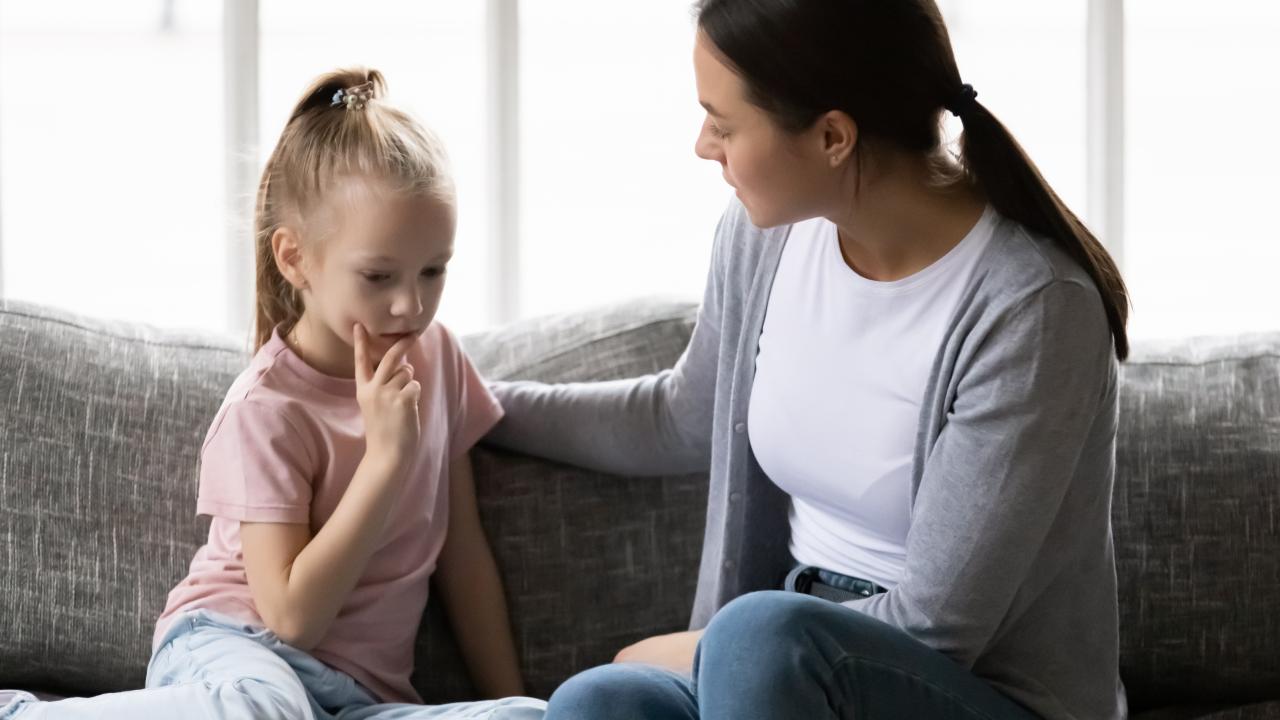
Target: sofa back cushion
101 424
100 430
1196 517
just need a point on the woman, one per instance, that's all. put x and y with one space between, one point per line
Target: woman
903 379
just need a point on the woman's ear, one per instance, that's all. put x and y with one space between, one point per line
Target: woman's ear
838 134
286 247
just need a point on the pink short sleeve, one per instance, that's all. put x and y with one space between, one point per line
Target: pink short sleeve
476 410
255 467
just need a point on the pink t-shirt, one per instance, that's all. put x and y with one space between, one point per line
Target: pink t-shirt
284 447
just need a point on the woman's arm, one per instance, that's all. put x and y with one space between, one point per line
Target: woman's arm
995 481
471 590
654 425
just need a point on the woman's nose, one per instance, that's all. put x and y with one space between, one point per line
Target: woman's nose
706 147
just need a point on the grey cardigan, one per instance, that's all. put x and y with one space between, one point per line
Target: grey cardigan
1010 568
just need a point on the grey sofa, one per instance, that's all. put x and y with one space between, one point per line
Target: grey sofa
101 423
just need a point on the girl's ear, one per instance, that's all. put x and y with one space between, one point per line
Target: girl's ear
286 247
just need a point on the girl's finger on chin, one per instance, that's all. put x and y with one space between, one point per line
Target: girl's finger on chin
394 357
360 345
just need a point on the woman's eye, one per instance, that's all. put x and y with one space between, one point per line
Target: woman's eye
433 272
715 130
375 278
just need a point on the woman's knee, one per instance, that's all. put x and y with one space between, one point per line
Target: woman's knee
622 691
760 620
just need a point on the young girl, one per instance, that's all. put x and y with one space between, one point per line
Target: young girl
336 472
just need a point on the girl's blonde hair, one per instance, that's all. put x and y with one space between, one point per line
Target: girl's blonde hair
340 128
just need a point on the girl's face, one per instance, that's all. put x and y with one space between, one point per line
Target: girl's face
382 264
780 177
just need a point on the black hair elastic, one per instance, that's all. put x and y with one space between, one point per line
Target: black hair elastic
963 101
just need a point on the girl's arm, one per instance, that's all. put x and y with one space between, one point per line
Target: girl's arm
468 581
299 581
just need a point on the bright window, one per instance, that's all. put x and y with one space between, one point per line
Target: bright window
113 154
1203 93
111 159
432 55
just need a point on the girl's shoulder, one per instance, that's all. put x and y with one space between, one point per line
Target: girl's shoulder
440 347
262 395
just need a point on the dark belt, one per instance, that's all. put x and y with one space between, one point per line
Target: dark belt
829 585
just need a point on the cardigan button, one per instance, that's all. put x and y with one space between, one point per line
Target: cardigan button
728 564
740 428
735 496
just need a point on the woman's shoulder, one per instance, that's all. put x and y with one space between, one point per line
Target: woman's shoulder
1030 292
1020 264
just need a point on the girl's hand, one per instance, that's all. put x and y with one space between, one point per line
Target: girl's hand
388 397
674 651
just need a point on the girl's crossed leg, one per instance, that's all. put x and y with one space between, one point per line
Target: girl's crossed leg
209 666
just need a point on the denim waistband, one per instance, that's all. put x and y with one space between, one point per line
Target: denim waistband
804 578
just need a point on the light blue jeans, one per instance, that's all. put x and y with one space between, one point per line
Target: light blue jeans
771 655
214 667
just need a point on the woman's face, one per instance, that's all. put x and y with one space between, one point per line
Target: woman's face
780 177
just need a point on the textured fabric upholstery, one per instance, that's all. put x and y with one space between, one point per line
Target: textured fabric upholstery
1197 520
1259 711
101 424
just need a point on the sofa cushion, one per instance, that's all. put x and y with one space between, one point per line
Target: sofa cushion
1197 520
1257 711
592 562
101 423
100 429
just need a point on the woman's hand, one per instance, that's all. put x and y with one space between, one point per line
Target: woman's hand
673 652
388 398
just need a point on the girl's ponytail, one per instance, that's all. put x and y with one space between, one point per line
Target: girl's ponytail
327 91
278 302
340 126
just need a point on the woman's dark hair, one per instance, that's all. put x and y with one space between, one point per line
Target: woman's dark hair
888 64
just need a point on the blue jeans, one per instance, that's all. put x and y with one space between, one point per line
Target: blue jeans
772 655
210 666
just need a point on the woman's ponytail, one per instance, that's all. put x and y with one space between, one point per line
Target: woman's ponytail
890 67
1014 187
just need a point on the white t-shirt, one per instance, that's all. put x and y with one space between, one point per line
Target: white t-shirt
835 407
